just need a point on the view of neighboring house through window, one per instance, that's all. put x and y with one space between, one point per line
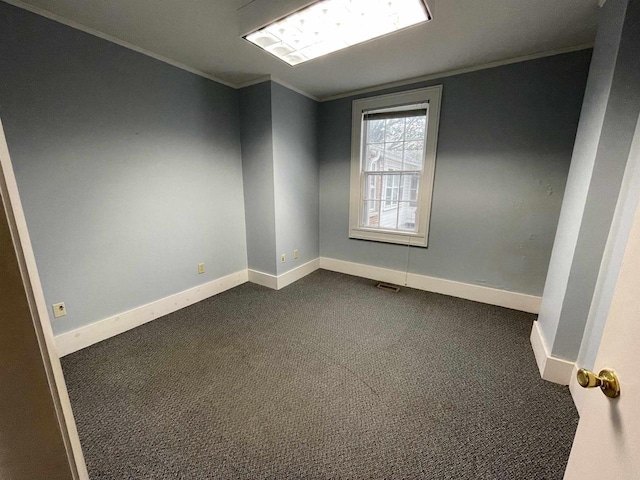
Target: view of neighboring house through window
392 191
393 161
373 189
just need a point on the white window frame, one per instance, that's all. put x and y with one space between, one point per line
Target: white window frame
358 186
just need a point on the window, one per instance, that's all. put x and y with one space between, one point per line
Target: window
394 140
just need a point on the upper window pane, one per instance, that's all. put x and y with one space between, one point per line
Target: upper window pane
374 157
413 155
393 156
375 131
394 140
415 128
394 130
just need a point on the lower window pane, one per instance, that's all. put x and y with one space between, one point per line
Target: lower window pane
401 217
407 216
410 183
390 191
376 214
371 213
373 186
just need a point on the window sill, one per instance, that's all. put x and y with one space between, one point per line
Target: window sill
401 238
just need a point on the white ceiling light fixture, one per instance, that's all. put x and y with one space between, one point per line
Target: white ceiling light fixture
330 25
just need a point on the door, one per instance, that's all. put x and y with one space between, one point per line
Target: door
607 442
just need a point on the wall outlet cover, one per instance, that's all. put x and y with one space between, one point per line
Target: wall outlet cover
59 310
200 268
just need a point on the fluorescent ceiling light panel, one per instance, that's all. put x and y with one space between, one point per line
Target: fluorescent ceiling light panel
331 25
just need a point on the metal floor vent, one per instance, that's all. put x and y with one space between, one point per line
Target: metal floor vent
388 287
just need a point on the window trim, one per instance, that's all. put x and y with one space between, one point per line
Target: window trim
431 95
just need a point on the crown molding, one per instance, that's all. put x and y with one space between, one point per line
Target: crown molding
97 33
450 73
295 89
263 78
255 81
271 78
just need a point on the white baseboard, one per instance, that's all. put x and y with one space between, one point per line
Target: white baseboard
297 273
365 271
478 293
285 279
540 350
264 279
552 369
82 337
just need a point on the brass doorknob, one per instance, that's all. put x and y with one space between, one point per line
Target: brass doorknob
607 380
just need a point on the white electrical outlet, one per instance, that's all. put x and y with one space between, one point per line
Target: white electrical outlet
200 268
283 258
59 310
295 254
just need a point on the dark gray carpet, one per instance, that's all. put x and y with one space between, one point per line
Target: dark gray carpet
328 378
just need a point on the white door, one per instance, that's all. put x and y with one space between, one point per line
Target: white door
607 442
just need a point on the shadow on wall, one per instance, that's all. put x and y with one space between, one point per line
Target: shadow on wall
504 149
129 169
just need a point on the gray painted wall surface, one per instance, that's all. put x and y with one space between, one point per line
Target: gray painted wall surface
295 153
505 143
258 176
584 155
611 161
612 258
129 169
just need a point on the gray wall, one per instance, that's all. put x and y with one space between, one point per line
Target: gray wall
606 156
611 159
258 176
612 258
129 169
280 168
505 143
584 154
295 153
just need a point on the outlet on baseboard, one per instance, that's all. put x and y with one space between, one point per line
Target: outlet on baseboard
283 258
200 268
295 254
59 310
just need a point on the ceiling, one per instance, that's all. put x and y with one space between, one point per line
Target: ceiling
203 35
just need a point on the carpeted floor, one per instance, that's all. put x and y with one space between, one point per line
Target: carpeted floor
327 378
